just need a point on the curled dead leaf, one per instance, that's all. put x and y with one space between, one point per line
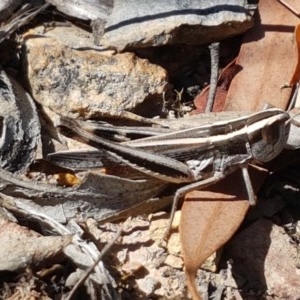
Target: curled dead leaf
209 219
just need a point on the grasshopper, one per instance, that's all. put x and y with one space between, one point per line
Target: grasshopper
199 156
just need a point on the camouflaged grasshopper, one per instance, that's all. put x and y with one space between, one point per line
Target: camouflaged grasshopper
196 157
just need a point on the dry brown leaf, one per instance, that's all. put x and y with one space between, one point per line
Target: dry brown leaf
267 57
224 81
21 247
209 219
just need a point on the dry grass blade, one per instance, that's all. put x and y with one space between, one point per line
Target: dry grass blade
20 18
91 268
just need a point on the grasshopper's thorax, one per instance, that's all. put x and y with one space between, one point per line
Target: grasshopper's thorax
268 136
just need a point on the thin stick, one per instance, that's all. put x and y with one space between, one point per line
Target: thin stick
92 267
249 187
294 98
214 61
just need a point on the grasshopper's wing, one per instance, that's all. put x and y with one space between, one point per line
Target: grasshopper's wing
160 141
80 159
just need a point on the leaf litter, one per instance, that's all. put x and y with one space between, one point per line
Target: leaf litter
205 225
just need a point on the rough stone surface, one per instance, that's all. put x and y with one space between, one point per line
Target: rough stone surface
152 270
85 10
88 83
144 266
67 34
22 247
156 23
264 259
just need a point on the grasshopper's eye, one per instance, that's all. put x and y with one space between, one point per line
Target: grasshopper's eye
271 132
268 141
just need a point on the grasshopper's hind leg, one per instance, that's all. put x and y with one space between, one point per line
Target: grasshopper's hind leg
184 190
203 184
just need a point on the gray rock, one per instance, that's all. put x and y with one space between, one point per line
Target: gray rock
85 10
20 126
89 83
265 259
135 23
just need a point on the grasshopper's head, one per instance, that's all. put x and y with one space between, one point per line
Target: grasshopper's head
268 136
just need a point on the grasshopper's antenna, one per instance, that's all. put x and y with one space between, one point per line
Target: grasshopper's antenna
294 97
289 7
